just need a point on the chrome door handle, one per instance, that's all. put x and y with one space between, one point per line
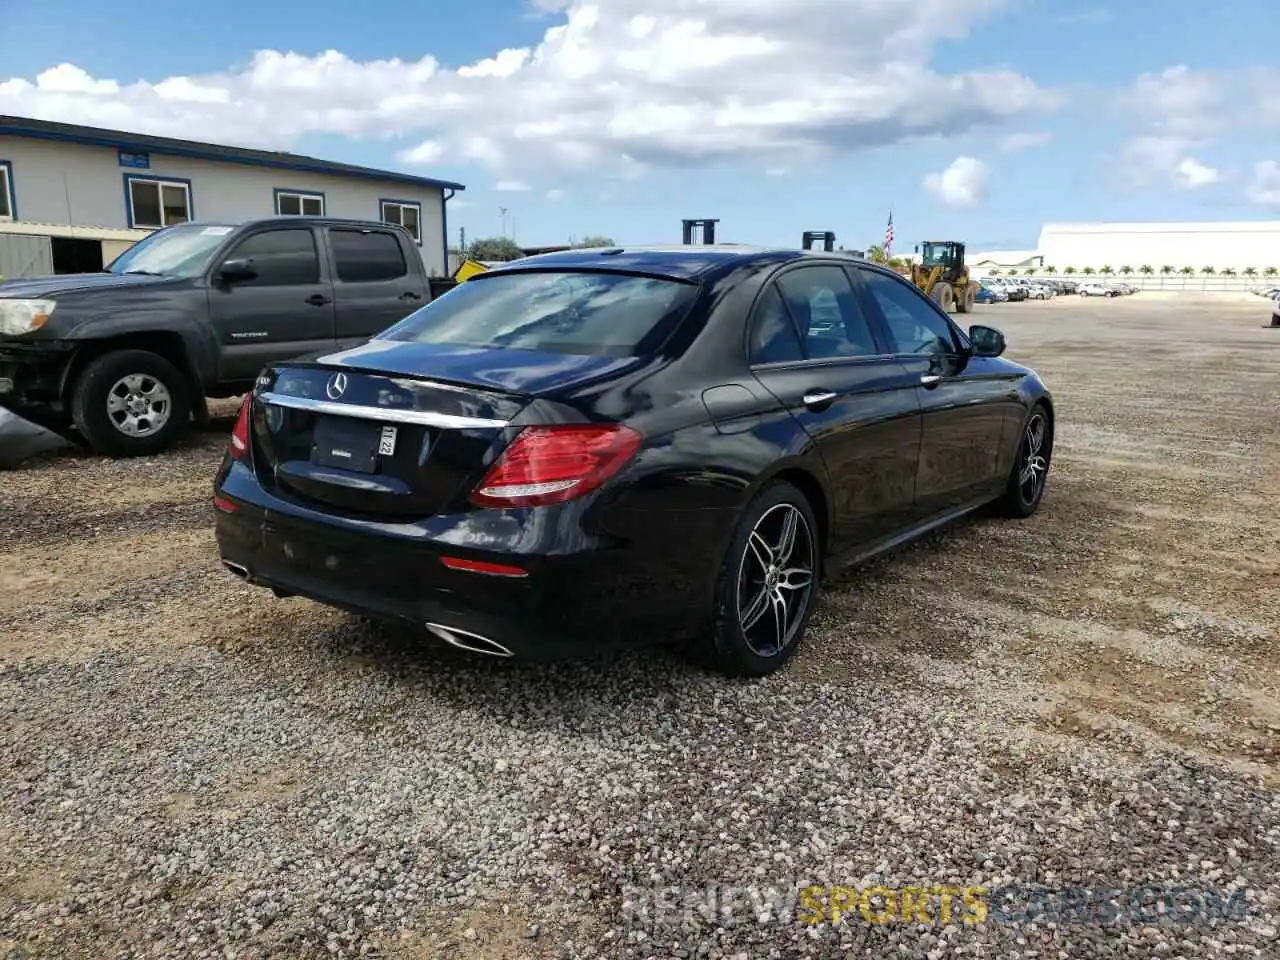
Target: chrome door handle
930 379
818 398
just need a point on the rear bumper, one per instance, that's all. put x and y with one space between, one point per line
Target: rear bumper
600 595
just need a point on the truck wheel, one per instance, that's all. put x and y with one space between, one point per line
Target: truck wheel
966 301
944 296
130 403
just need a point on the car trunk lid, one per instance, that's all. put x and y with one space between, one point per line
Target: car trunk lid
394 429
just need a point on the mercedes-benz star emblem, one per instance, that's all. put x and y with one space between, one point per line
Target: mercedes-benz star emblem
336 386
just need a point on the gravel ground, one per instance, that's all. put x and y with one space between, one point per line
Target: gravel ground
1086 701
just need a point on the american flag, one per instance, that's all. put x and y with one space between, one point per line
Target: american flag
888 237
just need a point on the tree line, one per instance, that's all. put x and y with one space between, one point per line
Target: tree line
504 248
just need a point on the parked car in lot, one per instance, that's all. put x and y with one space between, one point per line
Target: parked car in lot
989 293
195 311
1097 290
597 448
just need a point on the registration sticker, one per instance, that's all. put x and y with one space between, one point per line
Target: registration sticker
387 443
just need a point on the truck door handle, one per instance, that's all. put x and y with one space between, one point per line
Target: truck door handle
930 380
317 299
818 399
409 295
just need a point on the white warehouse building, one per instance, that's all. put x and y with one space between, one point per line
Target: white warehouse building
1234 245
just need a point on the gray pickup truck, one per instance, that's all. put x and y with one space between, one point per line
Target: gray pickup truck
129 355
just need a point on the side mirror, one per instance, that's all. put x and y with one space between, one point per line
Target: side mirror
987 341
237 268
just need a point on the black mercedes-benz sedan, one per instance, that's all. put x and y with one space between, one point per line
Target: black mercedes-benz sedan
598 449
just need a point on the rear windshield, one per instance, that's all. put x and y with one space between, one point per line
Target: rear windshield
603 314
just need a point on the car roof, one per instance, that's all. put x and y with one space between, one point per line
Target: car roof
678 261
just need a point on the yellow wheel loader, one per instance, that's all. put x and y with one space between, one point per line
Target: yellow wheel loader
943 276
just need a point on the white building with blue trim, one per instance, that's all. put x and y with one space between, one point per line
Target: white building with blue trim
78 195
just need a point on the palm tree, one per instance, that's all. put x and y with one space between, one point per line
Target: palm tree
1208 271
1270 272
1070 271
1187 271
1107 269
995 273
1126 270
1168 269
875 253
1228 272
1147 270
1029 272
1051 271
1250 272
1089 271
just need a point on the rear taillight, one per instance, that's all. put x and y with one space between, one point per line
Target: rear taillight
239 447
554 464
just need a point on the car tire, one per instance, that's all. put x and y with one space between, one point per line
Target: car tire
130 403
755 592
1023 493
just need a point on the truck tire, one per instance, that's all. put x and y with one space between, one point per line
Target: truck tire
130 403
965 303
944 296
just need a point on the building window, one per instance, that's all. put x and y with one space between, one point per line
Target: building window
7 203
406 214
157 203
292 203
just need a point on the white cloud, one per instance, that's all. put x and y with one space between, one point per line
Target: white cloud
1265 188
511 186
424 154
1024 141
1180 111
556 193
961 185
615 88
1191 174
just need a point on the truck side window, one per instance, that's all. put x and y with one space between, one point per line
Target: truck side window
280 258
362 256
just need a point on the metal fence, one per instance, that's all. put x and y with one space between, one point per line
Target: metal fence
1176 283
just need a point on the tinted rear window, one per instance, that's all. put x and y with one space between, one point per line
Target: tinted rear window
603 314
364 256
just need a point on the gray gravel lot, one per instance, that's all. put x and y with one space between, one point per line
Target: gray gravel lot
1086 704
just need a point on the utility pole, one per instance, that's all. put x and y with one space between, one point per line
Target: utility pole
502 218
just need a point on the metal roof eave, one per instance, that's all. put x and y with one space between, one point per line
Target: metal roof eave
196 152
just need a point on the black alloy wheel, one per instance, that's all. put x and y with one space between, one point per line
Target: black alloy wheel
1030 470
767 584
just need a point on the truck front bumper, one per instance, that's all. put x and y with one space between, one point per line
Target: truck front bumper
32 374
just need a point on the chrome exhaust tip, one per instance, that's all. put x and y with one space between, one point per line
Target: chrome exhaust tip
471 642
239 570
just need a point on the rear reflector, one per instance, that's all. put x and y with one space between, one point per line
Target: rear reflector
556 463
239 447
223 504
483 566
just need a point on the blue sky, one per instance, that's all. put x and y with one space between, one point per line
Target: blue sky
777 116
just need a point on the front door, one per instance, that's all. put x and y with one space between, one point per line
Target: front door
284 310
813 349
374 285
964 400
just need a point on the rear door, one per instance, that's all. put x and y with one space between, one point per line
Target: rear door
285 310
374 283
965 400
813 348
